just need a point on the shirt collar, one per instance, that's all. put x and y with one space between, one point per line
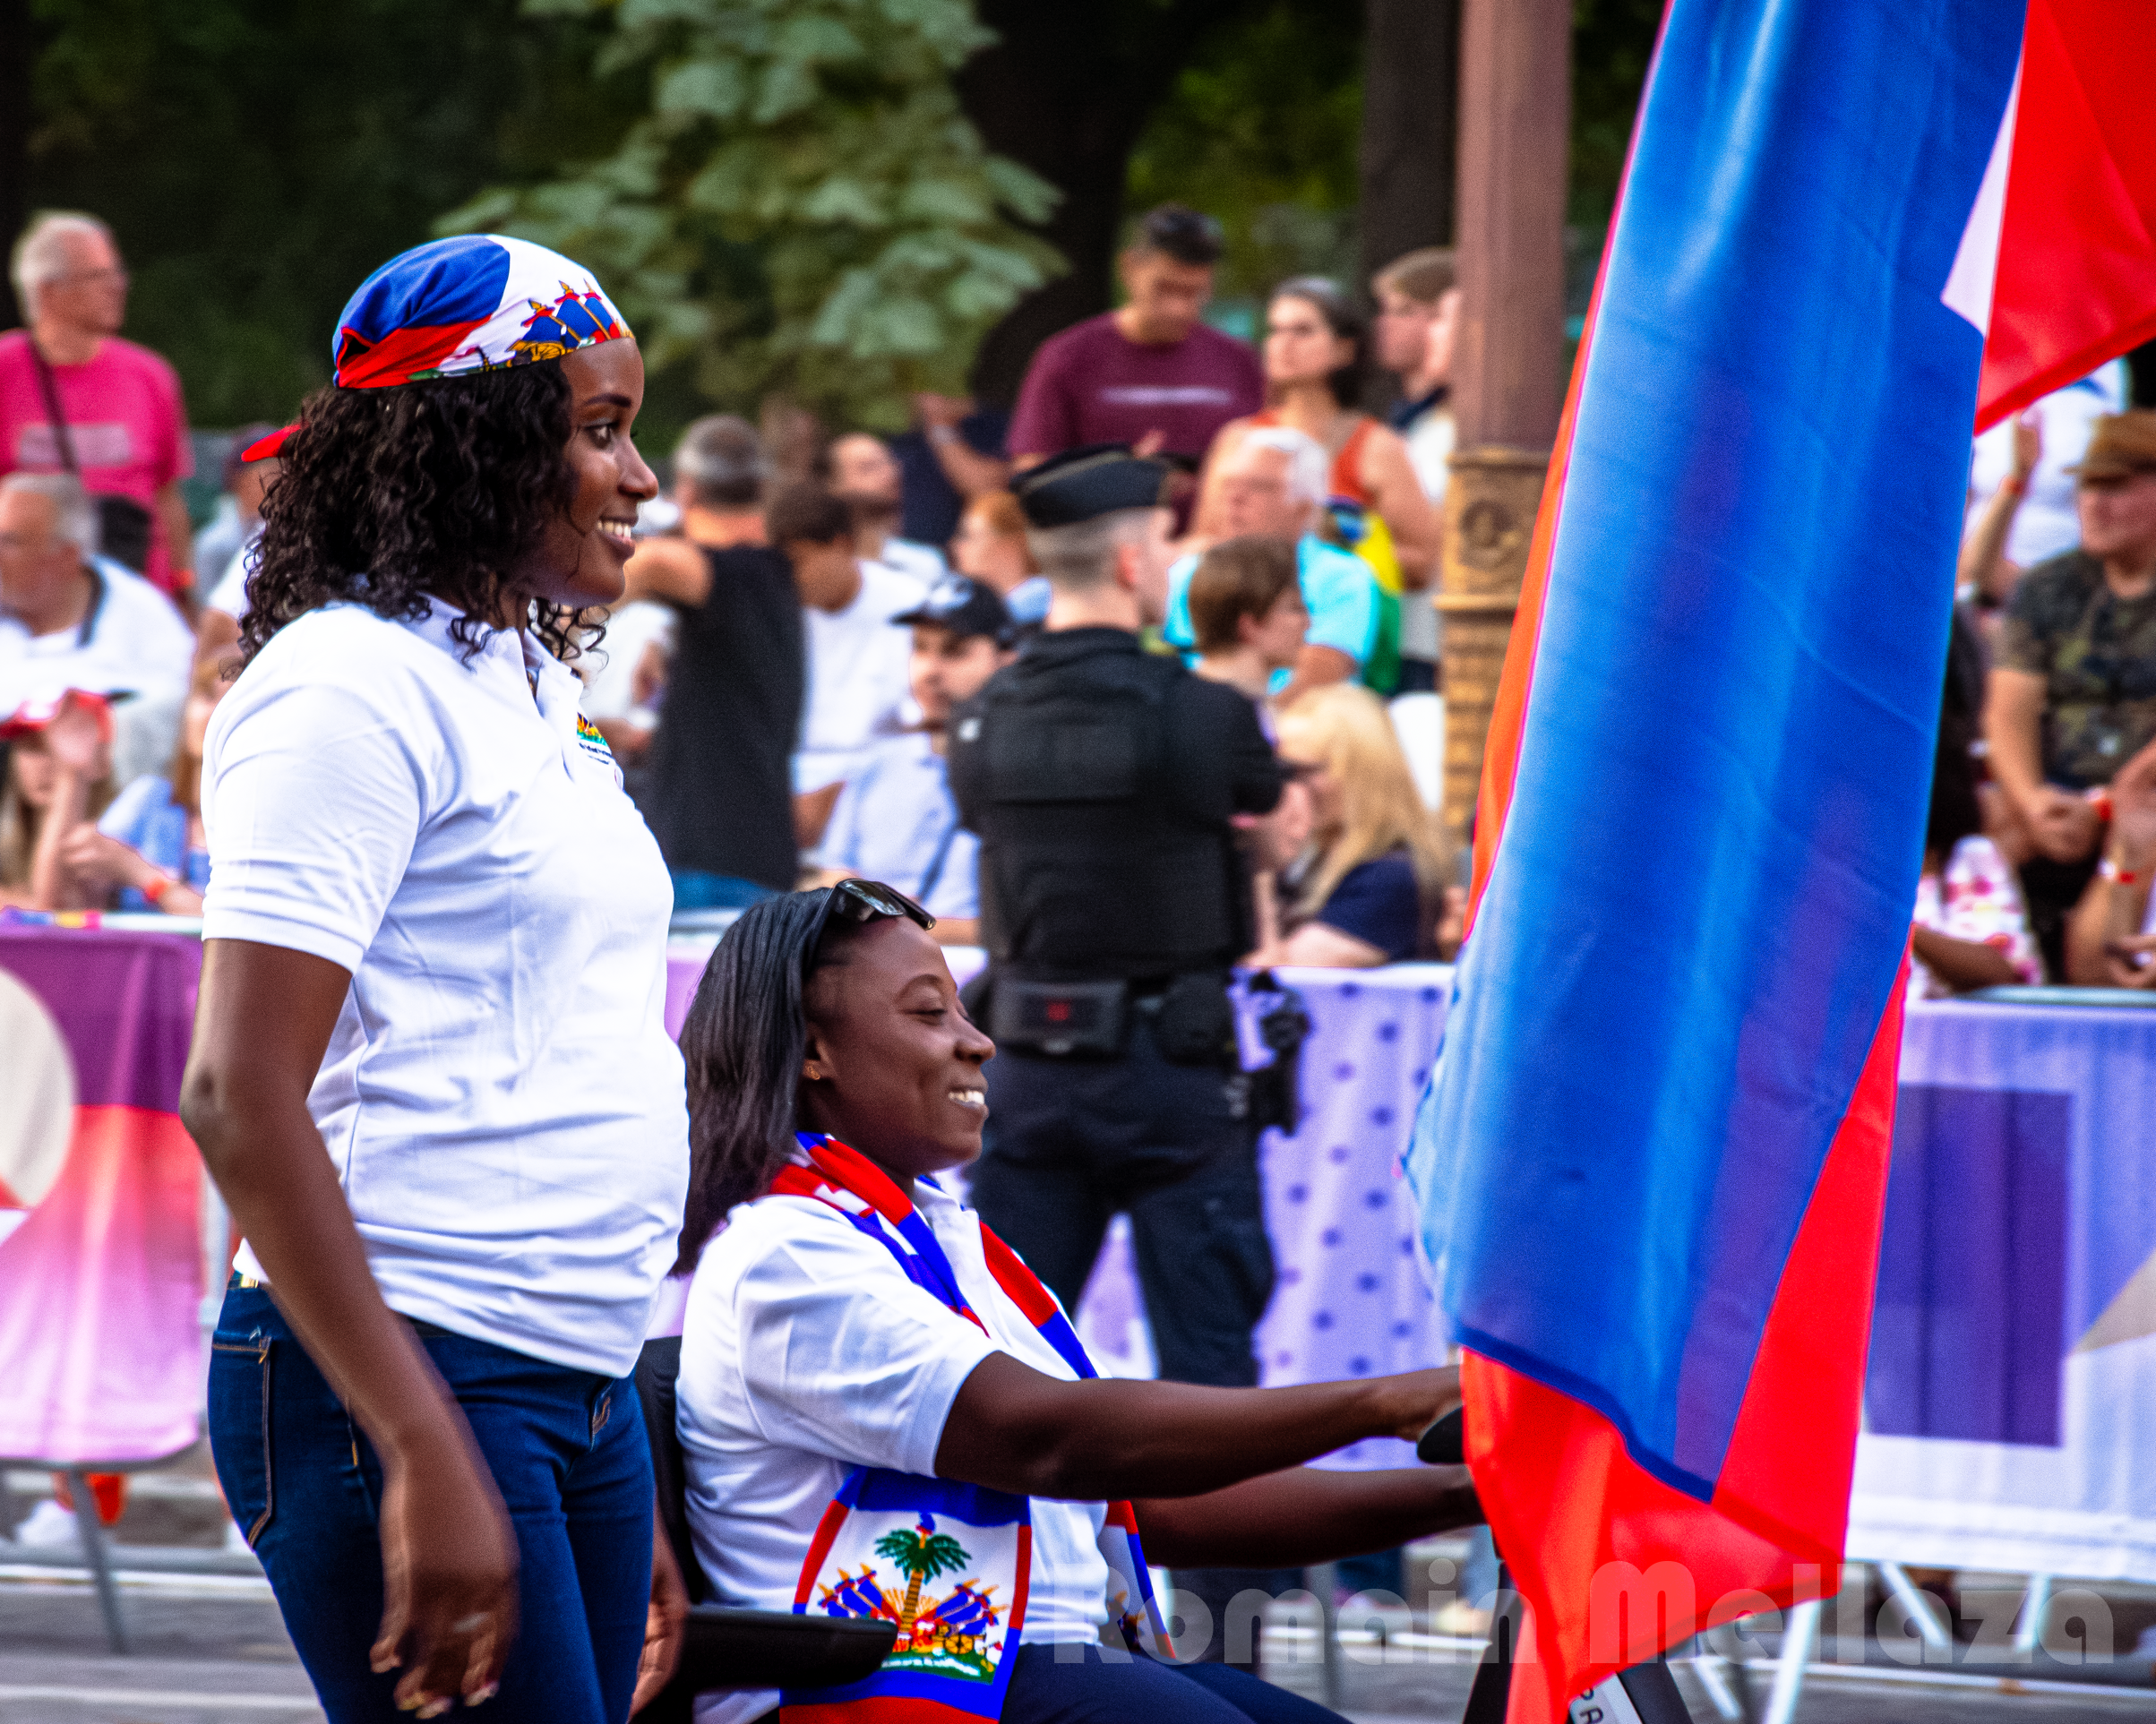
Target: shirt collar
506 663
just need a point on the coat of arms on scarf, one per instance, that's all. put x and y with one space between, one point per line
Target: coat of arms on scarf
947 1563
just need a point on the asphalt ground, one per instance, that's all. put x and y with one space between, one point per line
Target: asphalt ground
223 1659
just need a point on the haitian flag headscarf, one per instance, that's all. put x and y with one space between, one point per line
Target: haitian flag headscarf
479 302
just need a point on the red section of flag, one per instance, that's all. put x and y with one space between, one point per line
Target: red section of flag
2076 281
1617 1566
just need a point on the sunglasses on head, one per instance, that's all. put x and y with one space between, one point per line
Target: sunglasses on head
858 903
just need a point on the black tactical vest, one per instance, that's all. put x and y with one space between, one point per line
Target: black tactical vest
1106 849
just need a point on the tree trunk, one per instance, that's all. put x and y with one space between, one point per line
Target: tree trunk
1411 95
18 56
1067 90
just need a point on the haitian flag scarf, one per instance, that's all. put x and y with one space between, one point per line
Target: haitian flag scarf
888 1537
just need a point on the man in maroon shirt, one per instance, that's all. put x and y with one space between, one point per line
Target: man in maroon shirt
1150 374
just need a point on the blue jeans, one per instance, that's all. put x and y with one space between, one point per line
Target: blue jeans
1084 1684
567 1452
693 890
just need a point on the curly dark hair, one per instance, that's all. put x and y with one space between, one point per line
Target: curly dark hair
390 495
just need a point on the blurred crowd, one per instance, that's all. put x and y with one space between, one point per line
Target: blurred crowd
806 612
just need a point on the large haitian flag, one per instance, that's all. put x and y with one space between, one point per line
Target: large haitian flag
1652 1158
100 1197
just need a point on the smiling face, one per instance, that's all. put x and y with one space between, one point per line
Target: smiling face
893 1064
579 560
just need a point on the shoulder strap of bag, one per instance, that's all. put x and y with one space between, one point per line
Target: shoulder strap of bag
48 386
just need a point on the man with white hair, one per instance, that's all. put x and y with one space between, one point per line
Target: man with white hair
69 619
1273 485
76 398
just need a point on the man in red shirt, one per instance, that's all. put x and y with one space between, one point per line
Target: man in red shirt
1150 374
125 427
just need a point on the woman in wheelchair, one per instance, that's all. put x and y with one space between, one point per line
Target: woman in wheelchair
884 1414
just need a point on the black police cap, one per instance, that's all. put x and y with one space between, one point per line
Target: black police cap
963 606
1081 484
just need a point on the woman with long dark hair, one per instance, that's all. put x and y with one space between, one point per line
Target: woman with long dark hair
884 1413
1317 358
434 948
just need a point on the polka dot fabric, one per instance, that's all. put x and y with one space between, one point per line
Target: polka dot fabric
1351 1296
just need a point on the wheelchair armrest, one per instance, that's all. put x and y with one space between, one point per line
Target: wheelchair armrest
1445 1443
727 1647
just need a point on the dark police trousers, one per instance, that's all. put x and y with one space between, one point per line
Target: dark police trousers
1071 1141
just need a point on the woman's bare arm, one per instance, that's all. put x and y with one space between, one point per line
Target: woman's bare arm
1398 494
449 1554
1305 1514
1017 1429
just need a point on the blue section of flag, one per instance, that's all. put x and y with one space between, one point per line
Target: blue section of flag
452 281
1705 882
874 1488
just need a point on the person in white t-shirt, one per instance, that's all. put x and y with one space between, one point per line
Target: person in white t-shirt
431 1072
866 476
69 619
860 1353
857 663
895 820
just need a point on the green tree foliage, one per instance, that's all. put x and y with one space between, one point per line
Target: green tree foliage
1612 43
257 157
800 207
1260 131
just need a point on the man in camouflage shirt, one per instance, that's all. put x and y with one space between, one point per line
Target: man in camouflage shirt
2072 696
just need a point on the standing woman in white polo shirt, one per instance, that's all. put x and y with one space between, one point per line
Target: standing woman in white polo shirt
430 1071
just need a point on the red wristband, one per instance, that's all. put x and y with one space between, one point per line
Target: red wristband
2014 485
160 884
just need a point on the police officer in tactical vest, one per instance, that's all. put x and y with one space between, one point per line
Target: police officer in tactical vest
1104 781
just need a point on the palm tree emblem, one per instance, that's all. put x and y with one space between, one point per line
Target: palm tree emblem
921 1555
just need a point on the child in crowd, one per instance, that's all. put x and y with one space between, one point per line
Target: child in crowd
1247 614
59 773
895 820
149 846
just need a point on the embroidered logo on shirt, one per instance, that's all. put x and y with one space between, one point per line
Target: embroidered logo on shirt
592 743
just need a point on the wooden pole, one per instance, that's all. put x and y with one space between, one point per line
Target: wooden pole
1515 109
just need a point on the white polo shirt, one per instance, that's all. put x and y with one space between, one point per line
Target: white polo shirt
134 642
896 822
857 676
500 1099
806 1351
